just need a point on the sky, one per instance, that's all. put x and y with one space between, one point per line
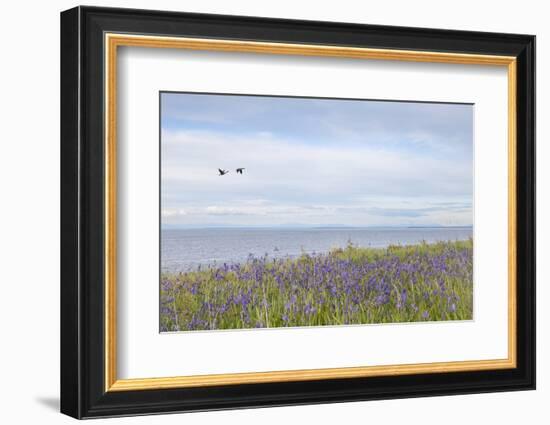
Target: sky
314 162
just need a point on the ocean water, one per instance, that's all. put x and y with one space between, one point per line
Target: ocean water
186 249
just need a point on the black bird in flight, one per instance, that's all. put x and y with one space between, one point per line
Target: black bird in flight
239 170
222 172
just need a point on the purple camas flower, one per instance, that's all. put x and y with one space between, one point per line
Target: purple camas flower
402 299
166 285
346 286
167 300
165 310
382 299
309 310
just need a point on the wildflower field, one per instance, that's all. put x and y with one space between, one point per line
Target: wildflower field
353 285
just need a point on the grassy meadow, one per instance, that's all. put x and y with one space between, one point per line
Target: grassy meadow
351 285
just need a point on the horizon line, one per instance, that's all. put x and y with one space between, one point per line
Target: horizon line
218 226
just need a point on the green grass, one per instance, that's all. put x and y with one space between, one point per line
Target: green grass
350 285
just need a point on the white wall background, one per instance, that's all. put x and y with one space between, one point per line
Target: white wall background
29 224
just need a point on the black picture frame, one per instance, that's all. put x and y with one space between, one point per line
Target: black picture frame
83 392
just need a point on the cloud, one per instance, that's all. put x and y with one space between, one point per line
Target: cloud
317 168
190 161
218 210
441 128
168 212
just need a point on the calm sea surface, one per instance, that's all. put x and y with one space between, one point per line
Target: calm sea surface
186 249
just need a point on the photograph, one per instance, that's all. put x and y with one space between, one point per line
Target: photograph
281 212
286 210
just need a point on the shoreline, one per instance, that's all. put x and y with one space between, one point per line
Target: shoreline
351 285
293 256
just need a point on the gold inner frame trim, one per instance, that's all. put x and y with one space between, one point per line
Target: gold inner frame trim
113 41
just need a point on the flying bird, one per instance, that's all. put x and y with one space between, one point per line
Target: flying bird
222 172
239 170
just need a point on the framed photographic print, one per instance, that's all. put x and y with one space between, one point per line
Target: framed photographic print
261 212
